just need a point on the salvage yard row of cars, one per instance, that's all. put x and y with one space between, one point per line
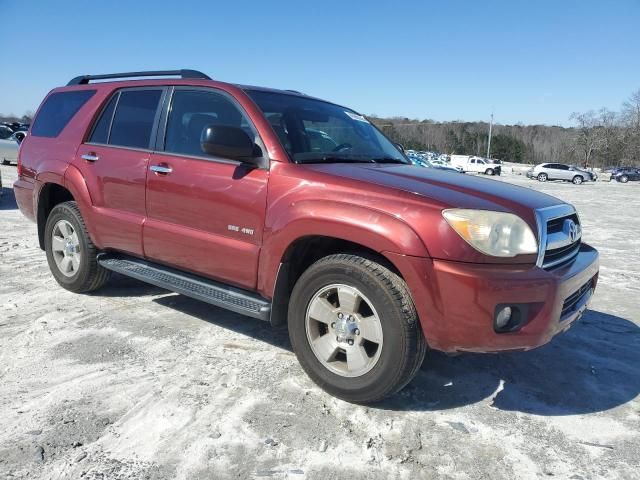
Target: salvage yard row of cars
11 135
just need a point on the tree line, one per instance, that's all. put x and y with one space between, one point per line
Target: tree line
600 138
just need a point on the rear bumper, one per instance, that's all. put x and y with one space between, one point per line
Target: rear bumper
23 191
457 301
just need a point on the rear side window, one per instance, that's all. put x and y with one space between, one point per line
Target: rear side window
57 111
134 118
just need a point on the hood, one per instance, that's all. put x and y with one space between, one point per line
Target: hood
447 189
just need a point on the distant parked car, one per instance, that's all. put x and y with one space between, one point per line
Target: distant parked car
560 171
471 163
625 174
444 166
9 147
20 135
423 162
5 131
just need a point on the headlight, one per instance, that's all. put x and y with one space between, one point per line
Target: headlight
494 233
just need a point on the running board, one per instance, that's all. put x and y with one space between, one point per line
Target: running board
214 293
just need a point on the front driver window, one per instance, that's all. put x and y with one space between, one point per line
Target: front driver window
194 110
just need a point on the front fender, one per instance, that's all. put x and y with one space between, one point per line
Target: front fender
371 228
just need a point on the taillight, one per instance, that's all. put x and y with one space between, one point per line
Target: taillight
19 167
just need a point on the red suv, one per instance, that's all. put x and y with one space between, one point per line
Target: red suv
297 211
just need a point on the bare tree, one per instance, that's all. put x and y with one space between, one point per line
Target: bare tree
587 138
631 121
610 135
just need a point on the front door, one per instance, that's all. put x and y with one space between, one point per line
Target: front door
205 214
114 163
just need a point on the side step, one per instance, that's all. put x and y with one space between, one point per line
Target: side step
215 293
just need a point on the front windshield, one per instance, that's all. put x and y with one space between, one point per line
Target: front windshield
313 131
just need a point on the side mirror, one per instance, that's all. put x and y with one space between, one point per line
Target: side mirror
229 142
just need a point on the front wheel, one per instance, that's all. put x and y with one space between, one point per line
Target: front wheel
354 328
542 177
70 252
577 180
489 171
624 179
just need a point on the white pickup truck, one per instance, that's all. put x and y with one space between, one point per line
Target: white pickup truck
471 163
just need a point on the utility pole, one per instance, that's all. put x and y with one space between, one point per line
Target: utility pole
489 144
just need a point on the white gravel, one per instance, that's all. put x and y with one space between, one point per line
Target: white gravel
135 382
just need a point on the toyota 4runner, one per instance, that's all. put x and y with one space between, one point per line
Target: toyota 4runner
299 212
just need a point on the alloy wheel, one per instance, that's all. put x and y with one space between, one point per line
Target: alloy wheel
65 247
344 330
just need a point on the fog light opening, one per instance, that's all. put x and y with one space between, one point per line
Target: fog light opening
509 318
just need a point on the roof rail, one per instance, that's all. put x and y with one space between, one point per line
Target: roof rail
85 79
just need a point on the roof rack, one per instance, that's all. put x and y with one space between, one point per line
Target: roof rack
85 79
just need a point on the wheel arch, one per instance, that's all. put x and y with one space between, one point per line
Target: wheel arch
305 251
50 195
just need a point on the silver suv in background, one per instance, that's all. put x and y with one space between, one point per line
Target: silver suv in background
560 171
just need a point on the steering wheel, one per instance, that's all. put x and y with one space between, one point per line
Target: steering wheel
342 146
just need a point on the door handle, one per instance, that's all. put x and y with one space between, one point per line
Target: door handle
90 157
162 169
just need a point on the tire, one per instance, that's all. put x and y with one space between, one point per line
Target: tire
397 356
489 171
85 275
624 179
543 177
577 180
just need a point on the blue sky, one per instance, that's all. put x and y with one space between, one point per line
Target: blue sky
534 62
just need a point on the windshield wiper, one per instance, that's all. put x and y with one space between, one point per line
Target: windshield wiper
334 159
389 160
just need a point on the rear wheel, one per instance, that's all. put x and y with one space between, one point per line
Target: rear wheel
577 180
70 252
354 328
489 171
542 177
624 179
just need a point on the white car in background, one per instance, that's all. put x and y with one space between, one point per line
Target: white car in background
9 146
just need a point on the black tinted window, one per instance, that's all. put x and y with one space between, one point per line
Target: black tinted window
191 112
101 130
133 120
57 111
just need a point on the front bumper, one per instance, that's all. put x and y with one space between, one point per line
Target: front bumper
457 301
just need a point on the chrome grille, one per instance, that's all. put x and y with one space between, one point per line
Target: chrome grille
556 225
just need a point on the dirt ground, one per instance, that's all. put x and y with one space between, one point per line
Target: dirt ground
135 382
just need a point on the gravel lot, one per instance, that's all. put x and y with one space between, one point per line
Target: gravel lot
135 382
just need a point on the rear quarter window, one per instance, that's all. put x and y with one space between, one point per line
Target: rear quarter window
57 110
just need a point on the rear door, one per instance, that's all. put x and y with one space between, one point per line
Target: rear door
552 171
565 172
205 214
114 162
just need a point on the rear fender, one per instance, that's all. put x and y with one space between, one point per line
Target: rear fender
75 183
